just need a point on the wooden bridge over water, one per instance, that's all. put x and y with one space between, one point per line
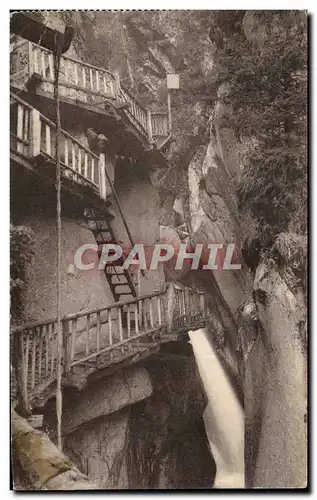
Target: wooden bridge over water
103 338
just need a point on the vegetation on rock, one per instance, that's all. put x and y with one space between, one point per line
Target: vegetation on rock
21 240
264 57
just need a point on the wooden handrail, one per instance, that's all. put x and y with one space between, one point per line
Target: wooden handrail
19 99
115 305
77 61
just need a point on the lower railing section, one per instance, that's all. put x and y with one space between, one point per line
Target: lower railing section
87 336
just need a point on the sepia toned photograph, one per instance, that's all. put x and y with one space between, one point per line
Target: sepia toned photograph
158 250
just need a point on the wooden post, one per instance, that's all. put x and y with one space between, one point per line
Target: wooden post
30 49
170 306
20 122
102 176
98 330
202 304
66 346
149 125
117 84
35 133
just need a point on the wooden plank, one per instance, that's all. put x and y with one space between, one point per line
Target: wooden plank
202 304
73 341
92 170
97 80
86 166
48 139
79 160
140 305
98 329
159 310
31 58
170 306
66 75
110 327
51 67
66 150
84 83
26 124
75 74
40 354
35 60
87 334
33 359
52 345
73 156
136 318
43 68
151 313
36 132
20 127
102 176
129 322
120 323
145 302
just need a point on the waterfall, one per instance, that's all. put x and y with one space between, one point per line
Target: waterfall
223 416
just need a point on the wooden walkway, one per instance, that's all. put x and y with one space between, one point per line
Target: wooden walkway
100 338
84 84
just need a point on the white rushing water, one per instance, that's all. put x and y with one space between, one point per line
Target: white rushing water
224 418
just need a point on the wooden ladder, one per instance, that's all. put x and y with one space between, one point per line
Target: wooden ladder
120 280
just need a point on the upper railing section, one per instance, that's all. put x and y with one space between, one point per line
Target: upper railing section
89 335
84 83
33 134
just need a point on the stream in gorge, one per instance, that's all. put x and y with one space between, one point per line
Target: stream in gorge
223 416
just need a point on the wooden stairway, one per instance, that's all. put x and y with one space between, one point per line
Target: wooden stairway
120 280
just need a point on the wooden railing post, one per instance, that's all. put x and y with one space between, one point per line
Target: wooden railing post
170 306
102 146
202 304
66 346
35 132
102 176
117 84
149 126
30 50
